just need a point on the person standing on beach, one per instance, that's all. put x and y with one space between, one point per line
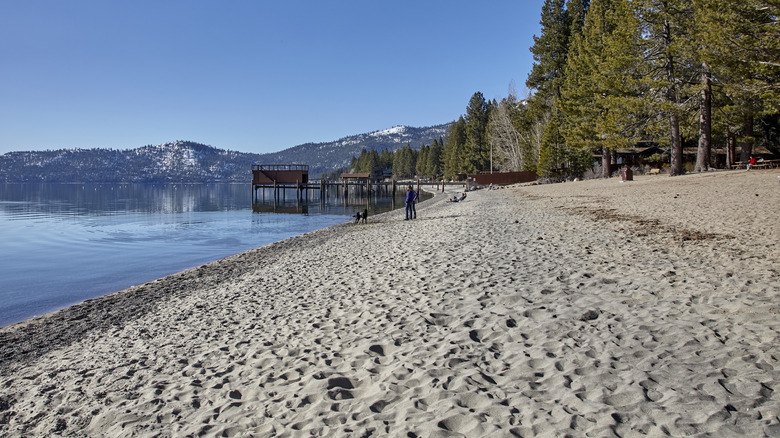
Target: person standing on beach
411 199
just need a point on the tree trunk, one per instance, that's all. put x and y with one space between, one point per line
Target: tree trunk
606 162
676 159
747 146
731 145
705 121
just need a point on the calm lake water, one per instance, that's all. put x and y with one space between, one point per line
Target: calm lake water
64 243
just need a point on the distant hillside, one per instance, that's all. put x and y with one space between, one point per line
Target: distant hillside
185 161
181 161
324 157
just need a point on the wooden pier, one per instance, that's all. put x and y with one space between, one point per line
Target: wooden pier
282 178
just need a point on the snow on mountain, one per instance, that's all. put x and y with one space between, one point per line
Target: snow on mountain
392 131
185 161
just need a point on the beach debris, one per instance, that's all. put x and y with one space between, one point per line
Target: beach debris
590 315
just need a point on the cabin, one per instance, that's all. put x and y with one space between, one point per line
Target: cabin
361 178
635 156
279 174
279 177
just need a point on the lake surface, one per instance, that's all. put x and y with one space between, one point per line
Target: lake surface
61 244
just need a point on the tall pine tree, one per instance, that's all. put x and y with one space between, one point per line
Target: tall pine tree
476 148
600 94
667 26
549 50
454 149
740 43
560 24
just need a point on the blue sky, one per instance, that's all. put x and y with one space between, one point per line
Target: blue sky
252 76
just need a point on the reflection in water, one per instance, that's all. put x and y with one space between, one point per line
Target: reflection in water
106 199
278 207
333 202
64 243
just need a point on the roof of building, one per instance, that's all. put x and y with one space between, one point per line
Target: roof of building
355 175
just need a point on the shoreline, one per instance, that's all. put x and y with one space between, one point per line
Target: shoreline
593 307
39 334
87 259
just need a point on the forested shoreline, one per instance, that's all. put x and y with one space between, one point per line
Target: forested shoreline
610 74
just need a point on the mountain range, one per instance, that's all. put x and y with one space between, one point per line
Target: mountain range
191 162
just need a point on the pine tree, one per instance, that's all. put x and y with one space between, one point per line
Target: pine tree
435 160
550 49
454 149
742 38
599 99
667 26
386 160
576 11
477 152
740 42
550 152
422 161
372 163
404 162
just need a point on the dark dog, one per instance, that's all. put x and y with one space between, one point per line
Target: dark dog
357 217
365 216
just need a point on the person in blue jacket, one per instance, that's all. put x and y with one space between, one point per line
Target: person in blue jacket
411 199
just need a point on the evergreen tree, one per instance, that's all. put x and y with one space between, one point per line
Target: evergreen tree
599 101
454 149
361 161
404 163
531 125
550 49
386 159
397 165
476 149
667 26
740 42
550 153
742 38
413 155
422 161
576 11
372 163
435 160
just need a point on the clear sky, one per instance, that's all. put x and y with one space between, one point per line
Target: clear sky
249 75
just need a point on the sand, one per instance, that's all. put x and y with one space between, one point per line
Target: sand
595 308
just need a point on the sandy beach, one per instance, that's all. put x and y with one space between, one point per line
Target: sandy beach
595 308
